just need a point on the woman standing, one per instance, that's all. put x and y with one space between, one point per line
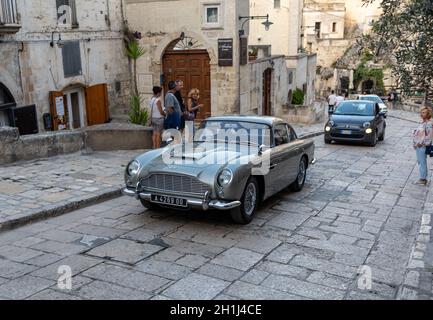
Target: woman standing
423 137
157 116
193 103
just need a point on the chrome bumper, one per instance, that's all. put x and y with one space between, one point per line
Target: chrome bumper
192 203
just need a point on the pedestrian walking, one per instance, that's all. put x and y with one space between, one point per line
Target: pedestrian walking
394 98
332 101
194 105
173 120
157 116
422 141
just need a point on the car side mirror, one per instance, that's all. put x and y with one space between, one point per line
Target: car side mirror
262 149
169 140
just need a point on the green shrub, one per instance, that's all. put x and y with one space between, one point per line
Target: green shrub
136 114
298 97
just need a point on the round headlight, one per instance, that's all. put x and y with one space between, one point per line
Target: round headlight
369 131
328 129
133 168
366 125
225 177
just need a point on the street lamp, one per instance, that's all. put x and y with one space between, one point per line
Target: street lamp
267 23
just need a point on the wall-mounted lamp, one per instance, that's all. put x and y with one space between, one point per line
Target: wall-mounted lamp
59 41
267 23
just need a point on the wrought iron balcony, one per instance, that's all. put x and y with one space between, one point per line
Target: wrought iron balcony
9 22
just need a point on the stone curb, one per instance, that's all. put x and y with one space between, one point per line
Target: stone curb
312 135
55 211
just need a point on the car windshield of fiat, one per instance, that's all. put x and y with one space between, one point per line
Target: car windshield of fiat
351 108
236 132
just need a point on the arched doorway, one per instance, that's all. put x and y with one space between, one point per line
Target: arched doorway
7 104
267 92
367 86
187 60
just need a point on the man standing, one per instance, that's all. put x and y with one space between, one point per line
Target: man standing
394 98
178 95
173 107
332 101
339 100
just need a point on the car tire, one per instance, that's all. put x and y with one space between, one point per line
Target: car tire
328 141
373 142
244 214
299 184
382 137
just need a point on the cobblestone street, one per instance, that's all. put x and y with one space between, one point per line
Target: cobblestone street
360 212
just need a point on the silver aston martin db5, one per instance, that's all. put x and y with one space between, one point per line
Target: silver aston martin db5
229 163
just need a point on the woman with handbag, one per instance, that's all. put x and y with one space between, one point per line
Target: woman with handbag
193 104
422 143
157 116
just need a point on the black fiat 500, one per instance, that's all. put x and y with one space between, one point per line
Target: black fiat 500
356 121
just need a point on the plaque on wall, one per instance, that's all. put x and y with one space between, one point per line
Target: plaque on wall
225 52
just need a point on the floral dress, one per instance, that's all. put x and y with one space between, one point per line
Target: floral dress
423 135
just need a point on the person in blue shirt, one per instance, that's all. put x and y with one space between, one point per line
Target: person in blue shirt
172 106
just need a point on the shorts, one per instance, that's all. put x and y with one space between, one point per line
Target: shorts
158 125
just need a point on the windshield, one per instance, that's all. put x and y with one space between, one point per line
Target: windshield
354 108
239 132
371 98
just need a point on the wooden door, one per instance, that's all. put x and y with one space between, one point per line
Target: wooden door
267 92
59 110
97 104
193 67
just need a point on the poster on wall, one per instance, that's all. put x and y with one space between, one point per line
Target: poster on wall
225 52
61 113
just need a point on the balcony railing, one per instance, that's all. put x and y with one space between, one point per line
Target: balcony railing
9 16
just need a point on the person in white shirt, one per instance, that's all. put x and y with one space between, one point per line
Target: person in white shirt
157 116
332 101
340 99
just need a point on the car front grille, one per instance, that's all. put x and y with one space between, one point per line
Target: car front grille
174 184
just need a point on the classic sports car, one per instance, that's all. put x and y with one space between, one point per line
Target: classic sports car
356 121
232 163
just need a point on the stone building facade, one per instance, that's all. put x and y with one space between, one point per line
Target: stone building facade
330 28
285 39
64 58
196 41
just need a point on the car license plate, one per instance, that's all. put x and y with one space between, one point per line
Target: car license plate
348 132
171 201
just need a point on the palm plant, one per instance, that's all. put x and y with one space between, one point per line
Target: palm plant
134 51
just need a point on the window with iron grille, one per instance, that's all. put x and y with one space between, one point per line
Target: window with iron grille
71 59
8 12
67 13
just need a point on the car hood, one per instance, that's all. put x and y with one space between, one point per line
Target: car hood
201 160
347 119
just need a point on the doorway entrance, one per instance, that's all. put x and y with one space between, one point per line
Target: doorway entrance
267 92
191 64
7 104
74 103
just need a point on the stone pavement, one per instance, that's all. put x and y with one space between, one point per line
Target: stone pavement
48 187
359 230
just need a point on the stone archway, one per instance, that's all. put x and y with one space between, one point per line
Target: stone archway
187 59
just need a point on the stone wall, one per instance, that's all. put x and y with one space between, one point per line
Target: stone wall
107 137
30 68
305 114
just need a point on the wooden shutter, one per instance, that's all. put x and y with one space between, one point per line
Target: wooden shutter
97 104
58 120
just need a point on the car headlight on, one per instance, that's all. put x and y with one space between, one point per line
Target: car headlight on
225 178
328 128
369 131
133 168
366 125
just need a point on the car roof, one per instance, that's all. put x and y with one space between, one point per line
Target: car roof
369 95
246 118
